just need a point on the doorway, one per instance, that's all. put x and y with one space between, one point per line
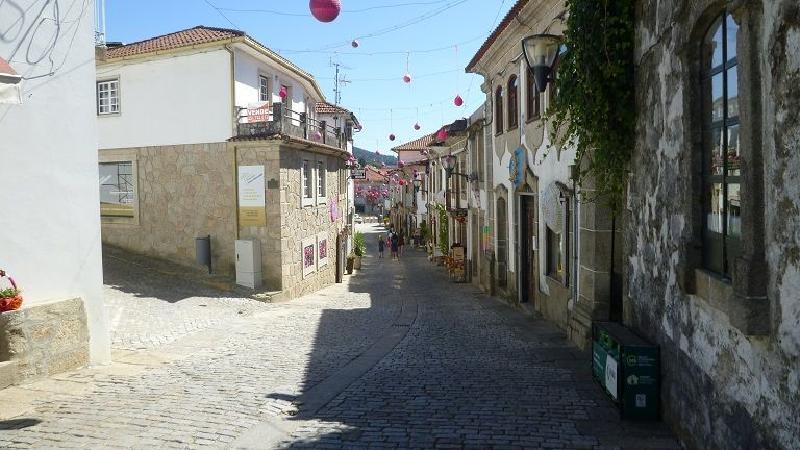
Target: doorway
339 259
527 248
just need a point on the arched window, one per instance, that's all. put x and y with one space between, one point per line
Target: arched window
513 102
502 241
533 105
498 110
722 182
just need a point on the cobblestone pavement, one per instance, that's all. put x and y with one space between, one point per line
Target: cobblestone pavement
398 357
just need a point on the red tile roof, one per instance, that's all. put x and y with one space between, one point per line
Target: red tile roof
496 33
6 69
327 108
184 38
419 144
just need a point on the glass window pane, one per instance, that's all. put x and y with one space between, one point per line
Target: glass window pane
714 214
717 101
731 30
734 151
734 210
733 93
715 166
712 47
117 193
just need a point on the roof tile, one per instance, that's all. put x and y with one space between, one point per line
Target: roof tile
184 38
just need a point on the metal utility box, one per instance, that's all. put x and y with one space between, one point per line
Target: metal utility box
248 263
628 368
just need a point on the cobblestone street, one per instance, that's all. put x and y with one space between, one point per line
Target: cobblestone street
396 357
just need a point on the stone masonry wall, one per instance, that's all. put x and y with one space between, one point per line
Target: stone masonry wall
731 380
184 191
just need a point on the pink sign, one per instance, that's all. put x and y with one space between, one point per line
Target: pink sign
259 112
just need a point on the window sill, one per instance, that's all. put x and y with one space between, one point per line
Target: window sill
119 220
751 316
512 128
116 114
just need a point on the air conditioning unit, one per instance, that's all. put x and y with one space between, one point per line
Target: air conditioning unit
248 263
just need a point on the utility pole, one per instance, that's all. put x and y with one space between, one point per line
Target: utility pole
337 82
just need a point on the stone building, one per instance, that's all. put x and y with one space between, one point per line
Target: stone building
712 265
551 252
260 155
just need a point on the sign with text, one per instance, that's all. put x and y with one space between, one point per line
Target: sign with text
258 112
358 174
252 197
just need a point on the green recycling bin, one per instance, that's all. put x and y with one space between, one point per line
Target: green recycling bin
627 367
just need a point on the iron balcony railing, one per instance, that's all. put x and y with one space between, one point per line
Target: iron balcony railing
284 121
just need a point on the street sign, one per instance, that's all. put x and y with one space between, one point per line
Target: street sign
358 174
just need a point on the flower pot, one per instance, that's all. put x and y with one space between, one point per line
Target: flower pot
10 303
349 265
357 263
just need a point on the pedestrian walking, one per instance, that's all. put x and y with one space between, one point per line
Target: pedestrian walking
381 245
395 245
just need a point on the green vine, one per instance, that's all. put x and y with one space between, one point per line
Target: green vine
444 230
594 108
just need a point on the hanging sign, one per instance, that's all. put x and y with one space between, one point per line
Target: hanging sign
252 197
258 112
358 174
517 167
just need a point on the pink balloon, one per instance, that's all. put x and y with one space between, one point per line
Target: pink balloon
392 137
458 101
407 78
416 126
325 10
354 43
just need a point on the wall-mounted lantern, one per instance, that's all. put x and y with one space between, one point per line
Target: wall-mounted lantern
541 53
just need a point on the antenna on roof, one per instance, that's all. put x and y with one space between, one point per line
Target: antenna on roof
337 90
100 21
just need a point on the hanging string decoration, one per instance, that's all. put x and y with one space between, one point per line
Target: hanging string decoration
407 76
325 10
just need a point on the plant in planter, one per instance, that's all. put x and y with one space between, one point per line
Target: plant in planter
351 259
359 248
10 295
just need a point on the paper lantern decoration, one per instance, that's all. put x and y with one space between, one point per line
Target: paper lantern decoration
392 137
317 136
407 78
416 126
282 93
325 10
441 135
355 43
458 101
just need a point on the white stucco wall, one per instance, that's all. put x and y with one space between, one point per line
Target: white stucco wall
172 99
248 70
50 228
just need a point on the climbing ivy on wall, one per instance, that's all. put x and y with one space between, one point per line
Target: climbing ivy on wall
444 230
594 107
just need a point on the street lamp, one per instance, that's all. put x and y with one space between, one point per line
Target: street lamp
541 53
449 164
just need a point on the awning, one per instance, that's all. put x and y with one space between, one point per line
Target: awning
10 84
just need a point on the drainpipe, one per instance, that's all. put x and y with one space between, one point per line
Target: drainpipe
234 130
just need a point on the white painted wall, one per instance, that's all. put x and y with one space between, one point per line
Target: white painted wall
169 100
50 226
248 69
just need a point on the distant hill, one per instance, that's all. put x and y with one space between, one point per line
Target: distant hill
372 158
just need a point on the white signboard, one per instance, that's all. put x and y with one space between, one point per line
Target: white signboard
611 376
258 112
252 197
358 174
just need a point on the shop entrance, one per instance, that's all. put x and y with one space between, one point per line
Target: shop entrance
527 248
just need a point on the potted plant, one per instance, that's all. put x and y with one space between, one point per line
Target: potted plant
351 258
359 248
10 295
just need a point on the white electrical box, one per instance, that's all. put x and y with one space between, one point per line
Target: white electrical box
248 263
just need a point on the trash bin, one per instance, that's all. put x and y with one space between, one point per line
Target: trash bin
202 247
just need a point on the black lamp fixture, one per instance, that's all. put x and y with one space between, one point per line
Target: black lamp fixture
541 53
449 164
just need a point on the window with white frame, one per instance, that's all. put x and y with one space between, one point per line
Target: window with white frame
108 97
309 255
322 250
263 88
322 172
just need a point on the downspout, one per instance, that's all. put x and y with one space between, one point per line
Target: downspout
234 131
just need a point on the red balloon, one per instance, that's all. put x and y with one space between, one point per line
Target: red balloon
325 10
407 78
458 101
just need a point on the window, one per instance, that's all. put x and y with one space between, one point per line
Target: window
498 110
322 172
308 191
107 97
513 102
308 255
263 88
322 249
117 189
722 182
533 104
552 90
555 267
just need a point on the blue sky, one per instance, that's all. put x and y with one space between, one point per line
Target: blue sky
436 37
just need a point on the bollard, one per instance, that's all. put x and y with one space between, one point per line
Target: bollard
202 246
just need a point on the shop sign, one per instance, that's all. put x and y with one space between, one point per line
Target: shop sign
517 167
258 112
252 197
358 174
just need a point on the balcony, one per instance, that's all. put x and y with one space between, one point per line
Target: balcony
261 123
